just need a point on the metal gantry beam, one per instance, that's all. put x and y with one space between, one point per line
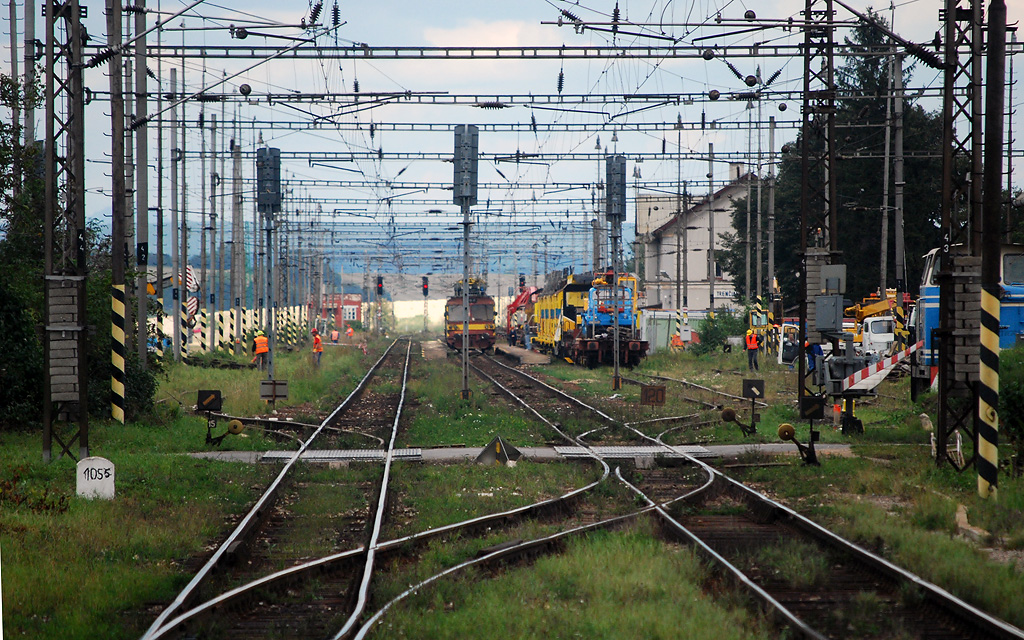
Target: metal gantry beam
317 51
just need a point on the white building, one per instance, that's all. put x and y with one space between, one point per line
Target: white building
662 234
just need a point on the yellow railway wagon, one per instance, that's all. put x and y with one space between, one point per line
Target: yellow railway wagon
557 312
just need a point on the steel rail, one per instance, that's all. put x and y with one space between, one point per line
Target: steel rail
545 541
555 390
939 596
251 518
514 550
791 619
393 545
378 519
389 546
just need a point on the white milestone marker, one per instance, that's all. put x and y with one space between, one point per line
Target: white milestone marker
95 478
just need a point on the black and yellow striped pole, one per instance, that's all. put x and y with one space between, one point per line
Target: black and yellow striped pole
988 390
185 330
117 351
991 256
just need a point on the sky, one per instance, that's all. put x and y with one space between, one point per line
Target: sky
521 224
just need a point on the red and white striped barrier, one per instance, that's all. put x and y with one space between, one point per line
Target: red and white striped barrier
881 365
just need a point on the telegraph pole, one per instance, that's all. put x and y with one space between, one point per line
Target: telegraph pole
117 224
142 185
179 291
771 209
465 189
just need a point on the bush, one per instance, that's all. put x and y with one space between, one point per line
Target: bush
1011 398
21 363
714 332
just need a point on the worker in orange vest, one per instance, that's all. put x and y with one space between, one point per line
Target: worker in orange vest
335 334
260 347
753 343
318 347
349 332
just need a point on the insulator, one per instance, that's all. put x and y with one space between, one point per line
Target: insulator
570 16
772 78
150 73
314 13
101 57
925 56
561 81
615 18
533 122
735 71
133 8
492 104
373 130
355 86
336 15
663 144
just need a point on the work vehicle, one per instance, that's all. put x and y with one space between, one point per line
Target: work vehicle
575 319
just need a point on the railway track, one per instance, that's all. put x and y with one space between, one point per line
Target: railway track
852 593
322 596
251 547
728 522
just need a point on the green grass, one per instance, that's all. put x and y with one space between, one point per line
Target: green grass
796 563
437 495
75 570
643 589
904 511
442 418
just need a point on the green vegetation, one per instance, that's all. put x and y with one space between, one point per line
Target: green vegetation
642 590
904 510
442 418
797 564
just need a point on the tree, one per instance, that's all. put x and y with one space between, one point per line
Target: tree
860 125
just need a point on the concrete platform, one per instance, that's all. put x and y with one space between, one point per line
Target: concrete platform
523 356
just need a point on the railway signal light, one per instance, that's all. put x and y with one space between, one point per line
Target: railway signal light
426 282
465 181
380 286
522 281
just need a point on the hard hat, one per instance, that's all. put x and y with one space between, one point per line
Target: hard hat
750 331
314 331
259 333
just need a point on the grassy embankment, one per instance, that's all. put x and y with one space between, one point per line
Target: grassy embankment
90 568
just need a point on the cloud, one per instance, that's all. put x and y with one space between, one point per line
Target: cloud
497 33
